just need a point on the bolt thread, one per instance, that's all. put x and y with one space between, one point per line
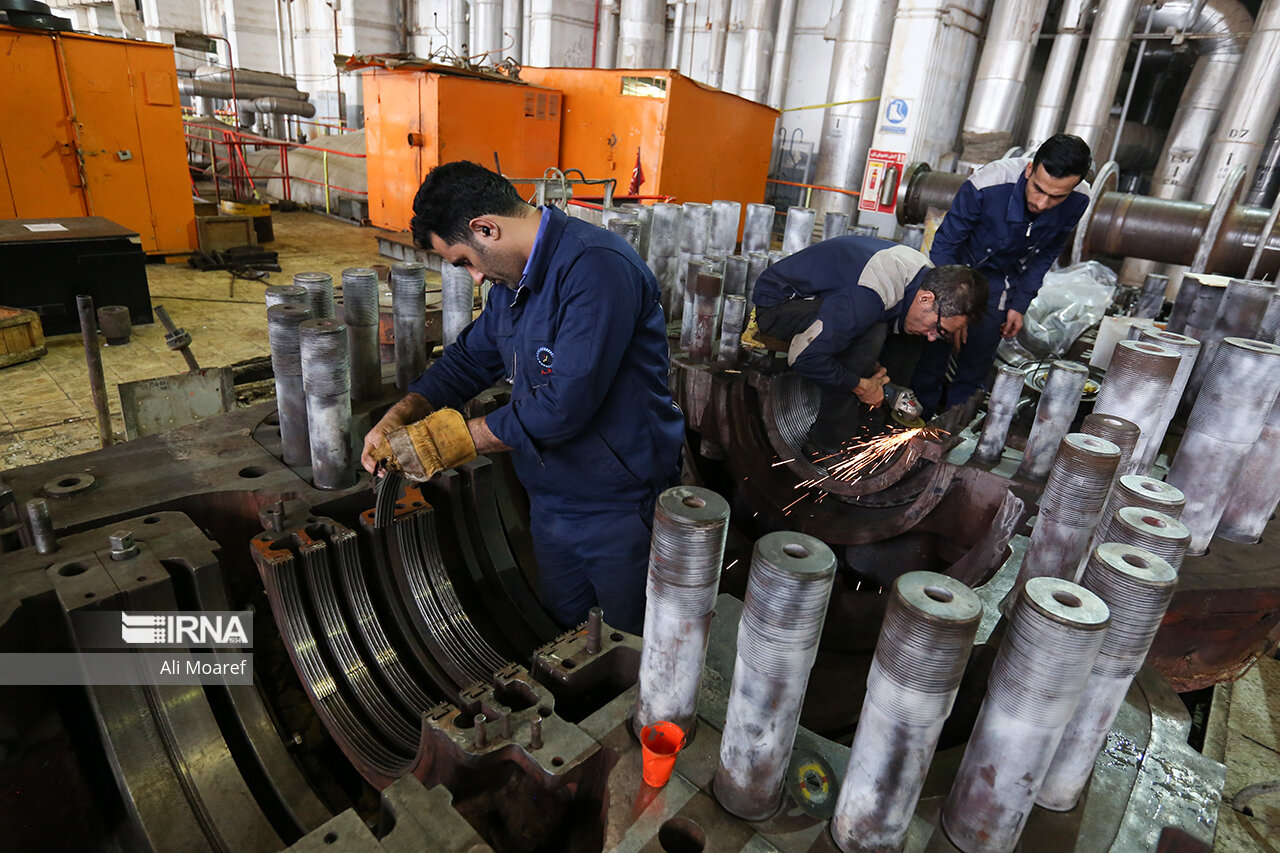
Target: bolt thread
1138 491
326 363
686 551
1137 586
282 333
695 227
1269 327
287 294
1137 379
1162 535
786 603
725 216
735 275
1059 400
1239 390
320 287
1079 479
409 289
758 228
664 234
360 296
1121 432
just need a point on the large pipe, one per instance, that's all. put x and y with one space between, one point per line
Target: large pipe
718 24
1013 32
788 590
606 52
1054 636
409 313
690 524
486 30
757 48
93 360
857 75
1005 394
1136 387
1239 390
200 88
286 365
1100 73
1256 494
780 66
459 37
641 33
512 28
1059 400
360 313
925 639
326 380
274 105
1059 71
1189 349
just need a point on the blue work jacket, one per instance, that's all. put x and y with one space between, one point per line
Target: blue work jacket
988 228
583 343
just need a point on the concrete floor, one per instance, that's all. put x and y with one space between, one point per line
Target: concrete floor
46 412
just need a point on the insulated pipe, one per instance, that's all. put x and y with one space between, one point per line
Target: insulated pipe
486 31
690 524
725 216
644 215
718 25
788 590
780 66
320 286
1005 394
1247 119
664 257
1151 299
1013 31
834 224
244 77
360 315
798 233
202 88
512 27
326 379
278 106
1055 632
1189 349
853 90
1136 586
1266 179
1059 71
675 48
409 313
287 294
1136 387
757 231
606 49
458 31
1239 315
1162 535
1100 74
1070 508
925 640
1121 432
757 48
42 535
1059 400
286 365
1256 493
1238 392
641 33
708 290
734 321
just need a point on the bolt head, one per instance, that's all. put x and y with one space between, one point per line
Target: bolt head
121 540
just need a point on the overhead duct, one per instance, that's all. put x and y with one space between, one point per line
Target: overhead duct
718 19
273 105
486 30
642 33
757 48
1100 74
782 52
245 76
1055 86
242 92
1000 82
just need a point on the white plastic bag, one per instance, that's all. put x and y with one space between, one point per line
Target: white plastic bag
1069 302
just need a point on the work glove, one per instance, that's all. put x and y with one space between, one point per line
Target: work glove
422 449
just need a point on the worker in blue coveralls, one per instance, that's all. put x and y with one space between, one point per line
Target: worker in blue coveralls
1010 221
848 304
577 330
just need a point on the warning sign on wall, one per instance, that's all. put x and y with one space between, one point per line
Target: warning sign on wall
880 181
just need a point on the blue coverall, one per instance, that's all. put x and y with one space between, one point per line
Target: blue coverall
594 433
990 229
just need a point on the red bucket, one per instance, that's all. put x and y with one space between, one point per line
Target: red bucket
661 743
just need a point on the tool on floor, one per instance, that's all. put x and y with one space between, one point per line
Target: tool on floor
177 338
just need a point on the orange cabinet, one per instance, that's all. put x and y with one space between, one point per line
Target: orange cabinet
94 128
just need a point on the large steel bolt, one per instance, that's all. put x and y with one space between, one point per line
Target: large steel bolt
707 298
664 257
757 262
1188 291
287 294
786 604
757 231
731 326
1136 387
1059 400
798 233
1005 394
1136 586
692 266
319 287
1238 316
735 275
1151 299
1189 349
689 529
286 364
1162 535
627 227
1137 491
1121 432
1208 301
42 535
644 215
360 312
122 545
326 379
457 301
1055 632
834 224
725 216
925 640
409 309
1256 494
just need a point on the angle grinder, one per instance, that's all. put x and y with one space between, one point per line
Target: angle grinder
903 406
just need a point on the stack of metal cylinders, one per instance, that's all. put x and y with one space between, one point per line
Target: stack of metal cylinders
627 227
644 215
1212 289
1151 299
286 364
1070 507
1256 493
757 230
664 257
1059 400
457 303
326 379
1238 393
913 237
1054 636
360 312
1189 349
925 639
1137 490
1239 316
1121 432
834 224
788 590
1136 387
319 286
731 327
1269 327
1162 535
798 233
707 293
685 555
864 231
1003 405
725 216
757 262
1136 586
287 294
409 310
1188 290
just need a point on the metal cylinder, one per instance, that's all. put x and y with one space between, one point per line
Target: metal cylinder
457 302
1239 315
326 379
690 524
757 231
1189 349
93 360
1188 290
1005 393
1136 387
1204 309
627 227
693 265
319 287
786 604
1099 74
409 310
1151 299
1140 491
1136 585
644 215
287 294
1121 432
42 535
695 227
1269 328
798 233
1069 508
1238 392
664 257
115 324
725 216
1256 493
731 326
757 262
360 313
286 364
735 275
708 290
1054 636
913 236
925 639
834 224
1162 535
1059 400
864 231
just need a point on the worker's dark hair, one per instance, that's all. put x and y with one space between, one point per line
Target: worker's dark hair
1064 155
957 290
452 195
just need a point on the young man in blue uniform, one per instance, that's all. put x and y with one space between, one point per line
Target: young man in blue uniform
577 329
1009 221
845 305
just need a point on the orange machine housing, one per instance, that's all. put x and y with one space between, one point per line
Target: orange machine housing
415 120
695 143
93 127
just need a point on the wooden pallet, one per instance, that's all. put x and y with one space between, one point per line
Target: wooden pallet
21 336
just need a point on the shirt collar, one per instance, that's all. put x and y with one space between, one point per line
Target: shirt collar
533 252
1018 200
897 315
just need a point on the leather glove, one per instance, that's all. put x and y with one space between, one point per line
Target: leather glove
422 449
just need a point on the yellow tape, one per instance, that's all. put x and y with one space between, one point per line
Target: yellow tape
832 104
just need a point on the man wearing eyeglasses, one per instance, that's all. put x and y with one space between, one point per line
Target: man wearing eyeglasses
849 303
